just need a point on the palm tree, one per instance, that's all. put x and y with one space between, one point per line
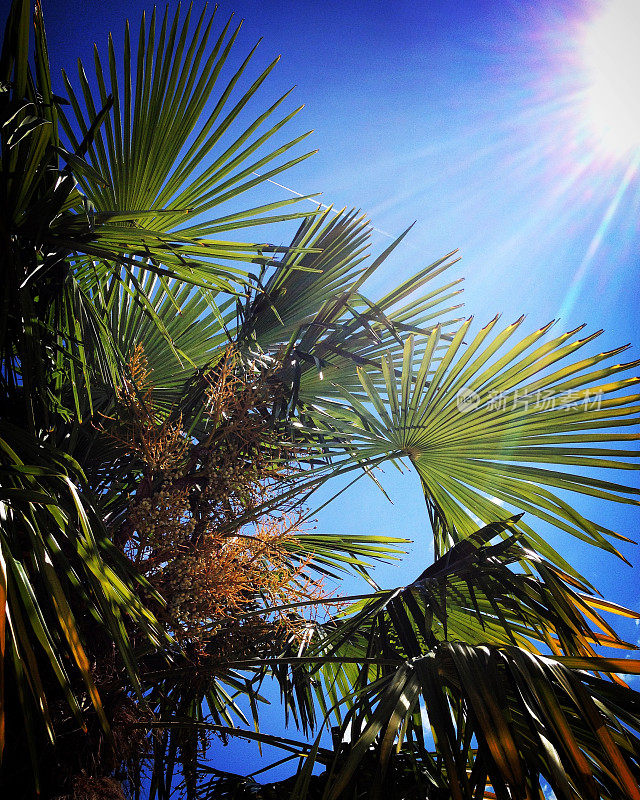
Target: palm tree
126 319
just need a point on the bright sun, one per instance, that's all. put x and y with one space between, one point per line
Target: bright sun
612 61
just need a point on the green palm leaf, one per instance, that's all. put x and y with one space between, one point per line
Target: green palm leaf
481 427
313 310
151 151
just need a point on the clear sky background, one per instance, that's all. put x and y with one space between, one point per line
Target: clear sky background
473 119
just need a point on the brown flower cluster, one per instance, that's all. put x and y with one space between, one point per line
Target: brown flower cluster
86 787
159 442
197 526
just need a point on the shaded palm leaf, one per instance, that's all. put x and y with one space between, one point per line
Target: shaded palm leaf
503 715
312 310
58 562
502 719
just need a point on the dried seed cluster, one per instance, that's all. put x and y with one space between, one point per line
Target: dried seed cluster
196 527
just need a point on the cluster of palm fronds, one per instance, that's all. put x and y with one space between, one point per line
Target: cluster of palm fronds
170 401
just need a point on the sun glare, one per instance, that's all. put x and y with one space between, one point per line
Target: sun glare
612 61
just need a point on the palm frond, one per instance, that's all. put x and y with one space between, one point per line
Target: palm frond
312 309
58 563
482 426
151 151
455 655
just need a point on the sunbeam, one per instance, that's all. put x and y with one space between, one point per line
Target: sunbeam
596 241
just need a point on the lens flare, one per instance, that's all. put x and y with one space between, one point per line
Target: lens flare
612 62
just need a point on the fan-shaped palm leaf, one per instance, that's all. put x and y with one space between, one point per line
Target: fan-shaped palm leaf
170 118
312 307
482 425
138 160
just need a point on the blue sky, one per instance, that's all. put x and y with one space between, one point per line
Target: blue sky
468 117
